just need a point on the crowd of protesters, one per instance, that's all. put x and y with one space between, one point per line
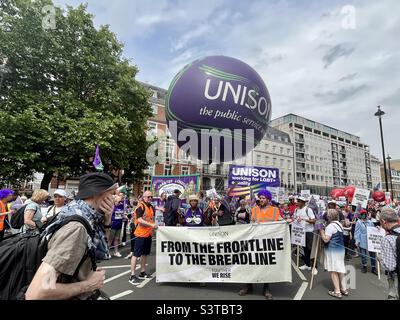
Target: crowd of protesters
113 214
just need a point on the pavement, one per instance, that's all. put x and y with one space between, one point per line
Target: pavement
363 286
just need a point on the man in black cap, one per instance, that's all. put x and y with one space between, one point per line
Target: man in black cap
67 248
171 209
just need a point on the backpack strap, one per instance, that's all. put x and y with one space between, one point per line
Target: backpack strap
338 224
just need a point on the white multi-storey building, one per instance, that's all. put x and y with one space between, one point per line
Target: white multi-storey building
376 171
275 150
326 157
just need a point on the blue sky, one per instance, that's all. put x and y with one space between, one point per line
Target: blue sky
317 59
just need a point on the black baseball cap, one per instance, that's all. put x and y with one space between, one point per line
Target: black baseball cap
94 183
177 191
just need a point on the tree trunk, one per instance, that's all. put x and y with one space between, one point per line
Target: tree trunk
46 180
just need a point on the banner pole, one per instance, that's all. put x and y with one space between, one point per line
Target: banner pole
315 263
298 256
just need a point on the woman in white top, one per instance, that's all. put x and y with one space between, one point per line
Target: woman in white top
334 253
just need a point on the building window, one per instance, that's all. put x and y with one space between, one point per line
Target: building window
281 150
185 170
288 151
154 95
282 163
152 129
266 160
258 161
273 149
154 108
289 164
274 161
169 150
167 170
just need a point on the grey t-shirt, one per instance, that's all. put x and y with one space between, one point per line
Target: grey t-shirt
36 217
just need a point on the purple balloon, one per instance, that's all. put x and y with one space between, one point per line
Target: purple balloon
218 92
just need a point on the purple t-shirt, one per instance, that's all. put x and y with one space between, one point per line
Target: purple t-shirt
118 215
194 219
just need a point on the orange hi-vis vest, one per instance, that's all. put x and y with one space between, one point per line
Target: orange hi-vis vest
142 231
268 214
3 209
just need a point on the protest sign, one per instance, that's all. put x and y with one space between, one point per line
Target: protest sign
316 197
278 194
212 193
375 236
306 194
361 197
238 254
187 184
298 234
246 181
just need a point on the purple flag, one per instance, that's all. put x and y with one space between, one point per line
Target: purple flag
97 161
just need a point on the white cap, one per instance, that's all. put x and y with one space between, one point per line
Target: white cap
301 199
332 201
61 193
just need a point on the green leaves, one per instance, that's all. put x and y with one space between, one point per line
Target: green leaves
67 89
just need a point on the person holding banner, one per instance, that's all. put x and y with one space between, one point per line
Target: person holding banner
194 216
334 253
389 221
262 213
361 239
242 214
306 217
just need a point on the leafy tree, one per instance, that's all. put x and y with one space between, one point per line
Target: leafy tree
65 90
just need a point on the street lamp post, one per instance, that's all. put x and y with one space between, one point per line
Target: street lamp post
390 174
379 114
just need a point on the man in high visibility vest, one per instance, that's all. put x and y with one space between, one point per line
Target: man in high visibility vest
262 213
143 233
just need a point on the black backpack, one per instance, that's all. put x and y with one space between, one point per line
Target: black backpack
22 254
17 219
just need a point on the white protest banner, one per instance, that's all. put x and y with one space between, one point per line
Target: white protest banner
239 254
375 236
306 194
361 197
298 234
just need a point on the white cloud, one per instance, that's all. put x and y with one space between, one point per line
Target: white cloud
311 64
